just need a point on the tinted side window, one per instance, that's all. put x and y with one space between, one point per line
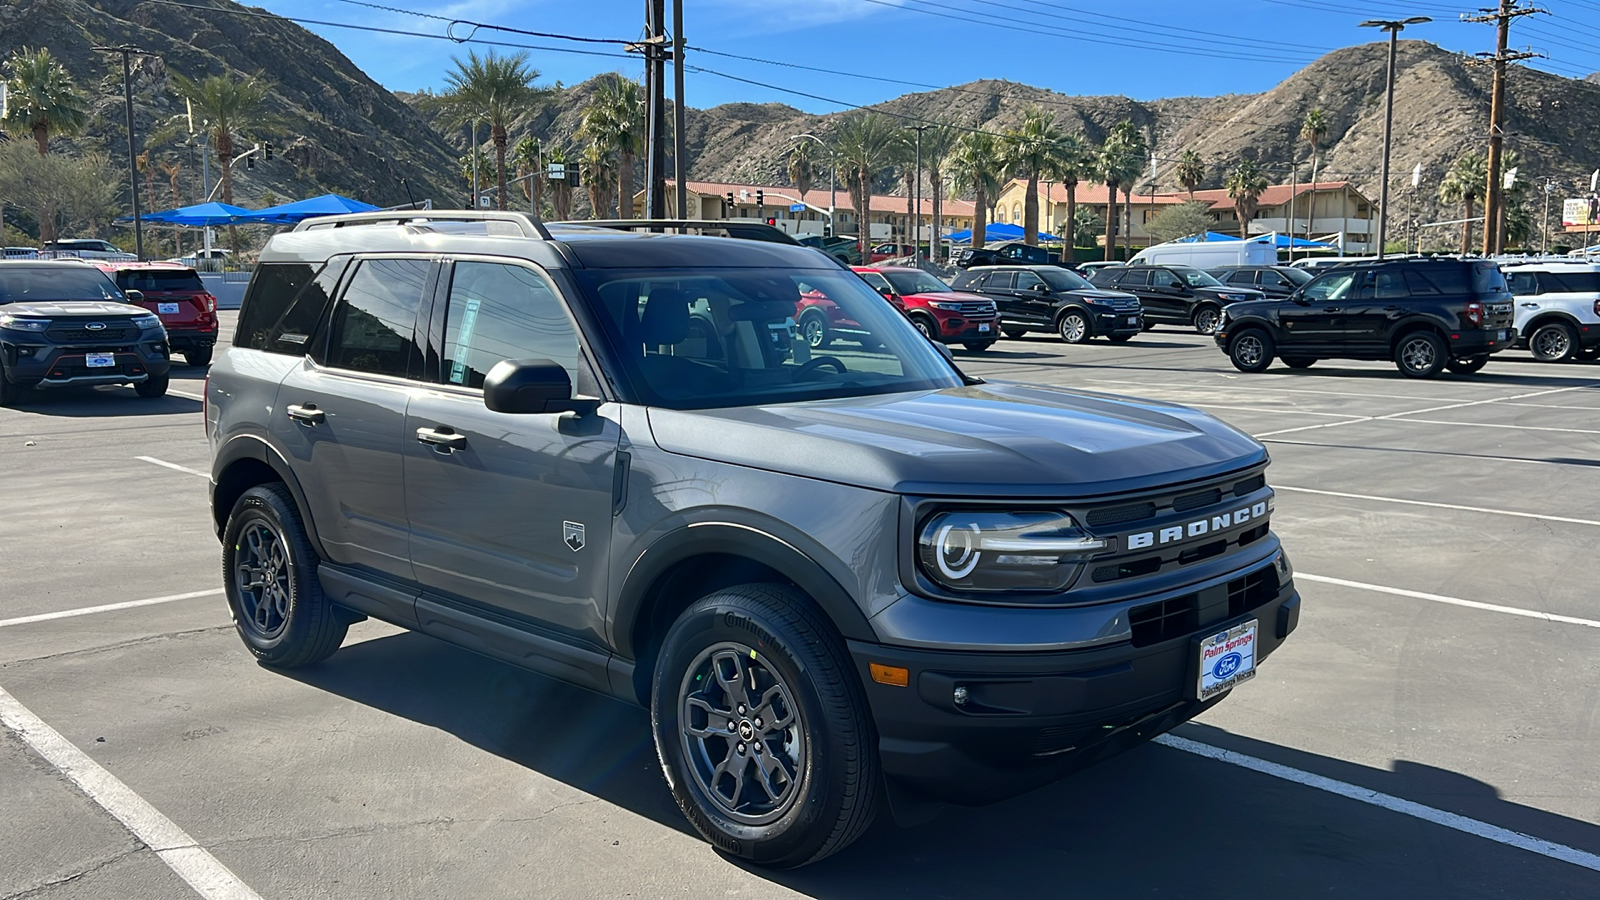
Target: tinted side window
1390 284
1332 286
1525 284
374 326
1451 278
1134 278
876 281
1566 282
1162 278
1488 279
1028 281
500 312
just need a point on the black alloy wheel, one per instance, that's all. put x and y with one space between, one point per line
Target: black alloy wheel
1073 326
270 579
1421 354
1553 342
1251 350
1468 364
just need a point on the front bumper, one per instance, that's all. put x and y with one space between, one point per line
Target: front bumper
1108 323
30 364
1031 718
961 328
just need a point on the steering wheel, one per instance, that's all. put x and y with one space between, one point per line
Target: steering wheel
817 362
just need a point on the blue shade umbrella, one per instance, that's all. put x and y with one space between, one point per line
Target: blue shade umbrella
199 216
999 231
1210 236
300 210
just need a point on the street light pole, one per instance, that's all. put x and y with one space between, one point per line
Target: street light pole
916 218
133 165
1393 27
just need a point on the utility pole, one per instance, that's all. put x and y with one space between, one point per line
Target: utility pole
133 165
916 218
680 168
655 53
1393 27
1492 198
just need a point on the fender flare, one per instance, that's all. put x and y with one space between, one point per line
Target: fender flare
254 447
700 538
1544 317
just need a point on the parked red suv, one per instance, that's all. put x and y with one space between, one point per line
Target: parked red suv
176 294
943 314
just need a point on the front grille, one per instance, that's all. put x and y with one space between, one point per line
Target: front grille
1251 591
75 334
1178 617
1249 486
975 309
1197 500
1116 515
1131 569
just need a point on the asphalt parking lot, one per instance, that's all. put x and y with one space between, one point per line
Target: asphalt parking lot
1430 730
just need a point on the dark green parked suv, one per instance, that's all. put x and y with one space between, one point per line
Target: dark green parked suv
837 580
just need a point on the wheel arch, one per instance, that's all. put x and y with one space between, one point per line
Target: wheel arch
244 463
703 557
1408 328
1547 317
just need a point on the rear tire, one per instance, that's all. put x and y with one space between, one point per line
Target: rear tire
775 794
153 387
1421 354
1589 354
1073 327
269 573
1207 318
10 394
1467 365
977 346
1553 342
1251 350
200 356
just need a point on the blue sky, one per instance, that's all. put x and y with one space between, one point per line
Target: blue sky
1145 50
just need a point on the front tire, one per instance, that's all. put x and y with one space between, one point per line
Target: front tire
1467 365
814 328
785 772
1119 338
1553 342
1206 319
1251 350
1073 327
1421 354
152 387
269 573
927 326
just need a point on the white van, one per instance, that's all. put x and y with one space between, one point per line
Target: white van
1208 254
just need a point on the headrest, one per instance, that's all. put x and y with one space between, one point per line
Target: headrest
665 319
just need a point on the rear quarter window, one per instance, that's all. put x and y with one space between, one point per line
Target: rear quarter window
285 306
1488 279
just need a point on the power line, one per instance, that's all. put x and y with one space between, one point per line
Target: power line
476 26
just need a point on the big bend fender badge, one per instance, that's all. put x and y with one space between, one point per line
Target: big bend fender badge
572 535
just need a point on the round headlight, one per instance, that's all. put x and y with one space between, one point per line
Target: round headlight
989 551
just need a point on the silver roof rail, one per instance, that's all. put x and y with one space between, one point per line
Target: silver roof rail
525 224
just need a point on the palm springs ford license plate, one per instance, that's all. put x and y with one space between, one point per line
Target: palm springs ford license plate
1227 659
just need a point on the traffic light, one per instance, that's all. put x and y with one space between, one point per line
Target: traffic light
730 203
761 199
771 220
266 150
250 158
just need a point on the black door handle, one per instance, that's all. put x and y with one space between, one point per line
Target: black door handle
1330 309
307 413
443 439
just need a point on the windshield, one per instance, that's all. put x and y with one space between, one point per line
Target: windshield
1197 278
30 285
700 339
1298 276
917 282
1063 280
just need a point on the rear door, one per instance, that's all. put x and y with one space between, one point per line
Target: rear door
341 414
509 513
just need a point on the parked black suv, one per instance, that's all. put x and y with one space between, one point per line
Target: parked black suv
1175 295
1274 282
1048 298
1007 253
831 578
66 323
1425 314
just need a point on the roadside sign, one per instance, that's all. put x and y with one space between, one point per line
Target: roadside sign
797 207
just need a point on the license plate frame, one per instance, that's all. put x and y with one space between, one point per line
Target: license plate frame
983 329
1226 659
1133 320
167 309
100 360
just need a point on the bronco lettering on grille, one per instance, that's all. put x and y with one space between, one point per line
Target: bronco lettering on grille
1199 527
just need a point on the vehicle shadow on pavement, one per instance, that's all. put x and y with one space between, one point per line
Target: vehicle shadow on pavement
1155 821
89 403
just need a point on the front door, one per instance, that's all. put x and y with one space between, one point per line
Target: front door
342 413
509 512
1031 300
1168 297
1315 321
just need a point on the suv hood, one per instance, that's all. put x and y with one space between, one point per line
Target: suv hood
958 296
64 308
1248 294
995 440
1099 295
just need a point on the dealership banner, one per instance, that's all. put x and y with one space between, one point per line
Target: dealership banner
1580 211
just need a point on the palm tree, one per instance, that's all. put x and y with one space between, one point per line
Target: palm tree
865 142
1031 148
1074 162
938 139
599 176
172 168
495 89
975 167
614 119
1119 162
1313 131
1191 171
1137 150
1464 183
560 190
802 167
470 163
41 97
1245 184
228 106
528 157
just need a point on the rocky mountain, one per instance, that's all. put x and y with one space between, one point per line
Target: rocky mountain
337 129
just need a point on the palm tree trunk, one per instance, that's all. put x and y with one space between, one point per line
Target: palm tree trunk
625 185
1111 222
41 137
497 133
936 185
1127 238
1030 211
1069 240
980 223
224 144
1311 210
911 210
1466 224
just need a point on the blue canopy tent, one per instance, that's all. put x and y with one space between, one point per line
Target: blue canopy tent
201 215
1281 241
998 231
1210 236
300 210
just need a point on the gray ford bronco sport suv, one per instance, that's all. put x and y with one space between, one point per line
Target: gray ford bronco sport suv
836 581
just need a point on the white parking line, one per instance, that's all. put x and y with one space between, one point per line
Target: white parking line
174 466
1453 601
1476 509
193 863
1389 802
186 395
1495 425
1417 412
109 607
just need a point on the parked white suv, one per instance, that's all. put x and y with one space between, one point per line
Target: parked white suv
85 248
1557 309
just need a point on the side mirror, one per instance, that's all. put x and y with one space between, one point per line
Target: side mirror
944 351
888 293
1042 288
134 296
528 386
1299 299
